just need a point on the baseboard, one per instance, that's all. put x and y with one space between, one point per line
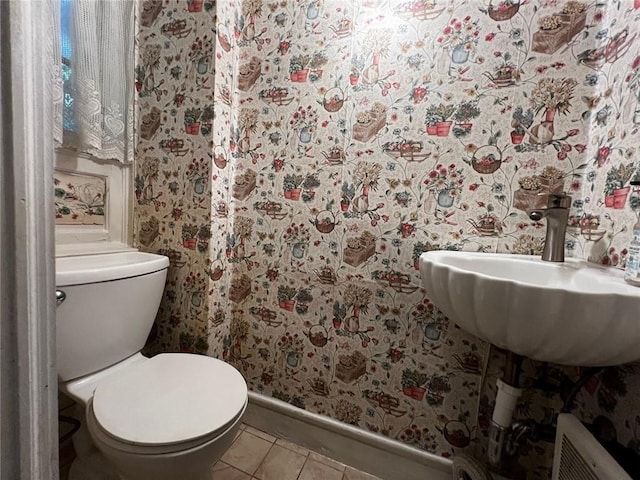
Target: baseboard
366 451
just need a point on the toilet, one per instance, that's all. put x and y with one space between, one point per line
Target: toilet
169 417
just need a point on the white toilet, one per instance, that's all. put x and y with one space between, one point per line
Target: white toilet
169 417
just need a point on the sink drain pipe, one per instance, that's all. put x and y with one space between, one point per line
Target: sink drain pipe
506 399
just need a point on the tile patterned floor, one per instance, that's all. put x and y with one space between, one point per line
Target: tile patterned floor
256 455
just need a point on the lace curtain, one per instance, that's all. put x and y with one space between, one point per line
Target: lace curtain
93 87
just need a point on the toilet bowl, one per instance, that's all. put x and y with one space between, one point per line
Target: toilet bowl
168 417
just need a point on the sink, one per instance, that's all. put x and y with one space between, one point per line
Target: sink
571 313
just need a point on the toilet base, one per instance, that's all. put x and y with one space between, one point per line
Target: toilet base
93 466
195 463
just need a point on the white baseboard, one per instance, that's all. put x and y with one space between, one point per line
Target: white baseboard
366 451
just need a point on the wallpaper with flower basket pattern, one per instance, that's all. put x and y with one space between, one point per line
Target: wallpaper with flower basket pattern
295 185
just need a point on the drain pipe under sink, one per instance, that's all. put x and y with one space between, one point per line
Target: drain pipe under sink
500 432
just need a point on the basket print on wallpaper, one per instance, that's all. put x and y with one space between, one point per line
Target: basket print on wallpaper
359 249
149 12
150 123
249 73
559 28
351 367
369 122
244 184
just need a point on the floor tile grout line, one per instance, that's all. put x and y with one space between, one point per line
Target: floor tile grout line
263 458
306 459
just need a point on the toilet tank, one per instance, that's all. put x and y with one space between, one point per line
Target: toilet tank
110 305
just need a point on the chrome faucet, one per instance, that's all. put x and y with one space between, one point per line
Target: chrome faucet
557 215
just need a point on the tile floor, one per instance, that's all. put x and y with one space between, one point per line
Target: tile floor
256 455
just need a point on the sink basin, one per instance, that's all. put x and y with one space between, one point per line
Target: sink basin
571 313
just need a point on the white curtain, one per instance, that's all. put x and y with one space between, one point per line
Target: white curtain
95 113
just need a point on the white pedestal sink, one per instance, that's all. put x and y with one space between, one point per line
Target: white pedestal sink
571 313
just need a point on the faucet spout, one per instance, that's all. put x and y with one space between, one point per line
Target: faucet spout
557 215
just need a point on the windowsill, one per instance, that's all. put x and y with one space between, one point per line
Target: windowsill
92 248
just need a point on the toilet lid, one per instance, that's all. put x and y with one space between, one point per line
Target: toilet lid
170 398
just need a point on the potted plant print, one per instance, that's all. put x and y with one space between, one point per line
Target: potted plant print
318 60
418 249
348 193
357 65
189 239
432 117
444 125
358 298
297 237
242 230
520 121
250 10
247 122
309 185
303 298
463 115
461 36
304 121
194 6
206 120
413 383
438 117
201 53
553 95
367 176
376 45
291 347
616 189
286 297
298 71
291 186
446 181
191 123
436 387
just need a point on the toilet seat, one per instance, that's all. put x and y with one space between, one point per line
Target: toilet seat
168 403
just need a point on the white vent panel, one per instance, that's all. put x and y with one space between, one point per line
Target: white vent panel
579 456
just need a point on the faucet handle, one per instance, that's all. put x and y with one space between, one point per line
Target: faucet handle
557 200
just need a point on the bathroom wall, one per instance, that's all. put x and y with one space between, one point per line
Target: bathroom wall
174 83
604 212
331 174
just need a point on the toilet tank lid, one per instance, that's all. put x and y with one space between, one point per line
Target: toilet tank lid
85 269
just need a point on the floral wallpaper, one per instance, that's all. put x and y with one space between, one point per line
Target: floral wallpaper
174 84
79 198
297 157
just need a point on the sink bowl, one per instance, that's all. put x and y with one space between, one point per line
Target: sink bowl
571 313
